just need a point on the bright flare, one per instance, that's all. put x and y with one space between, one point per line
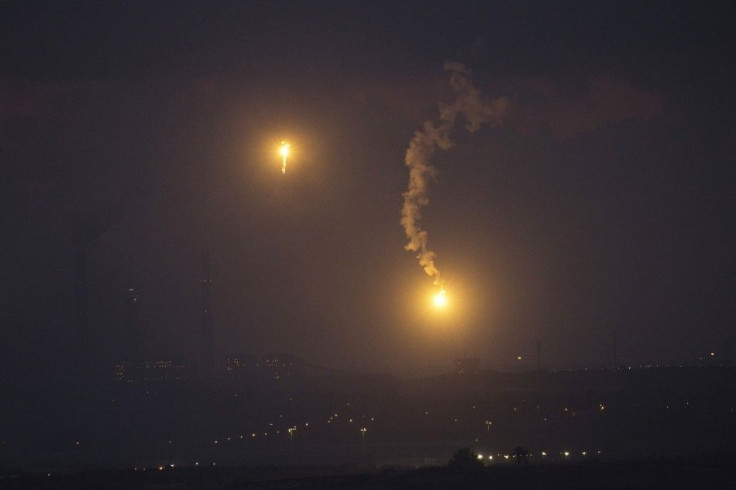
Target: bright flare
284 151
440 299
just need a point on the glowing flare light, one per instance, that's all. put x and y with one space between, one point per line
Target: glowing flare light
440 299
284 151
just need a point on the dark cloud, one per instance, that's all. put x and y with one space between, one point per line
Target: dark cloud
565 110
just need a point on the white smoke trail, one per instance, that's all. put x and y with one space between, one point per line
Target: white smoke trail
471 105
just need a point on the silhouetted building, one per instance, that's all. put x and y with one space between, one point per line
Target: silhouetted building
271 366
206 331
86 229
467 365
81 242
240 365
282 365
159 371
133 330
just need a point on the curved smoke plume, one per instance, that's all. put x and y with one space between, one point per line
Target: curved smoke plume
477 111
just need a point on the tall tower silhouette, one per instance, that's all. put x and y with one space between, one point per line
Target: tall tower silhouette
615 349
86 229
80 249
133 331
206 356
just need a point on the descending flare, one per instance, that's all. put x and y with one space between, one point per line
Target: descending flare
477 111
440 299
284 151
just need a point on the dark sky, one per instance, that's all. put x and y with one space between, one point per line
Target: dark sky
605 201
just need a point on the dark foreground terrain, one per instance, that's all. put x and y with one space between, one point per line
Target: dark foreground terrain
370 421
668 474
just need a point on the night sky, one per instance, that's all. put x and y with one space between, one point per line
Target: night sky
603 202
